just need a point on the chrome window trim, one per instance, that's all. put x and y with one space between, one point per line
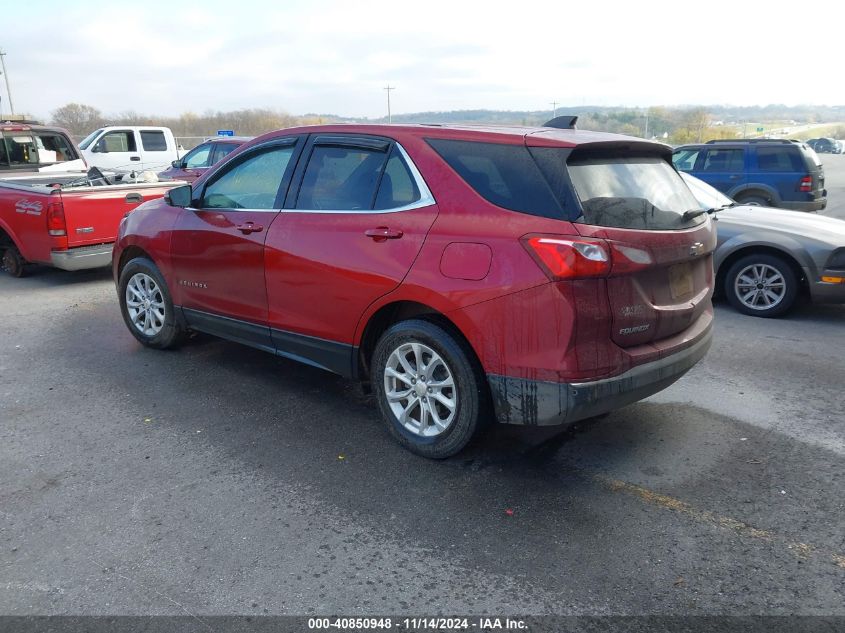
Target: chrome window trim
226 210
426 198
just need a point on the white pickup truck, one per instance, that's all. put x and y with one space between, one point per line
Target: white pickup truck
130 148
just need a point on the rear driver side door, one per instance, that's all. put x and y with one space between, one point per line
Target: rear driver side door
348 235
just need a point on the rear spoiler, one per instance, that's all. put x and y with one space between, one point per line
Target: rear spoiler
562 122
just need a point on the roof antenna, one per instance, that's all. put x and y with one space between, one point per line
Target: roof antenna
562 122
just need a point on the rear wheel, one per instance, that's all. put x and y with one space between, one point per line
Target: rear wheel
146 305
430 388
761 285
13 261
756 200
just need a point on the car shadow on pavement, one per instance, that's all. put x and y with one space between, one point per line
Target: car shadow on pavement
46 276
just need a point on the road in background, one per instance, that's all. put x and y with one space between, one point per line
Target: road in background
834 173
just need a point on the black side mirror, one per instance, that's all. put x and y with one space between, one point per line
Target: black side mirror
179 196
176 163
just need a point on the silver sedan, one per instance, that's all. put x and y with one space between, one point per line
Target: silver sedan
768 259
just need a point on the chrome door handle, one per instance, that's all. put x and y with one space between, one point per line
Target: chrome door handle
250 227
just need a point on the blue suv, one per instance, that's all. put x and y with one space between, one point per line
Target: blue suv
769 172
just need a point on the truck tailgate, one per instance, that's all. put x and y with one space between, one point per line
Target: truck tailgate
92 215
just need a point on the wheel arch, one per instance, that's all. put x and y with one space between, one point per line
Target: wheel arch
129 253
756 189
394 312
7 237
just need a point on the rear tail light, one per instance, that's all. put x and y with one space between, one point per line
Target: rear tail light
56 219
569 258
566 257
806 184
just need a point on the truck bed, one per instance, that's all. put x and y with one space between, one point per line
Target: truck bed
68 227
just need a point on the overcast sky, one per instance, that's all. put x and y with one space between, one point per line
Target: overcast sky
335 57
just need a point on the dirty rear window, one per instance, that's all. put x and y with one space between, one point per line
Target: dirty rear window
632 193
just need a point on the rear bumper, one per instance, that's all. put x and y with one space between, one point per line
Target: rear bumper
538 403
97 256
816 205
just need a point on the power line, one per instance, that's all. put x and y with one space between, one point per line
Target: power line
388 88
6 77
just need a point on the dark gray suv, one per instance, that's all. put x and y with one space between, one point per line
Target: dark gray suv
769 172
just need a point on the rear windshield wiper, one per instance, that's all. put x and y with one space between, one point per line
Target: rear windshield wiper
694 213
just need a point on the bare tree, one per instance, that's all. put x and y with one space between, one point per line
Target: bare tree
77 118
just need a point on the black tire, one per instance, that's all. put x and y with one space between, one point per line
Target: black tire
471 412
171 332
759 200
13 262
788 295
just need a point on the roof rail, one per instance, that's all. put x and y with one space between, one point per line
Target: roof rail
13 121
752 140
562 122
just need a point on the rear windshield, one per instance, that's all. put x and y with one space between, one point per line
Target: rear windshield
633 193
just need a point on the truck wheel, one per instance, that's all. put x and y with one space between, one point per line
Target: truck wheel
13 262
761 285
146 305
430 388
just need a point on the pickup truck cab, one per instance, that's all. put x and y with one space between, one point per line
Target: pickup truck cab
27 147
71 226
127 148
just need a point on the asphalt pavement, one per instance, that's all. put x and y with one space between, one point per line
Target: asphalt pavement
217 479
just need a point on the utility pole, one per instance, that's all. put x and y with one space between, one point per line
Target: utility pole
388 87
554 108
6 77
646 125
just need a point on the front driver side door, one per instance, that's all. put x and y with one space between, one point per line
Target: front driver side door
217 248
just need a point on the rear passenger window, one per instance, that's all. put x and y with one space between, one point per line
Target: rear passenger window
252 183
153 141
505 175
397 187
340 179
724 160
779 159
221 150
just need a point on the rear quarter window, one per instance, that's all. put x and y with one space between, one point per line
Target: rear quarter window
505 175
779 159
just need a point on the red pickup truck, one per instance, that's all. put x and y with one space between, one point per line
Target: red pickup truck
67 226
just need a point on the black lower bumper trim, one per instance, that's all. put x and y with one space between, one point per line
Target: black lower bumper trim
539 403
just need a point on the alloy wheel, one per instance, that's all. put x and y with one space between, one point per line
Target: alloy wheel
420 389
145 304
760 286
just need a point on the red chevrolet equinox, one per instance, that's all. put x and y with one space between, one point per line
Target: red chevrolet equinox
531 276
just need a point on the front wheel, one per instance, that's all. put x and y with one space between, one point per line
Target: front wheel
430 388
146 305
761 285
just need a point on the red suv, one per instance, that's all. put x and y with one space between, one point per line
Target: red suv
529 275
